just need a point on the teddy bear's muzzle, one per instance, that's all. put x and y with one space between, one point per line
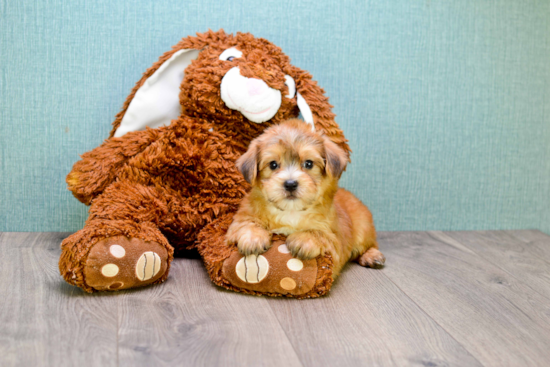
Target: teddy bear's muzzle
250 96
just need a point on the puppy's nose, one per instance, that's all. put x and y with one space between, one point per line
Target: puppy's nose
291 185
255 86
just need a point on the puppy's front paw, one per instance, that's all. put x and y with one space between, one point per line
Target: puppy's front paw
253 241
303 246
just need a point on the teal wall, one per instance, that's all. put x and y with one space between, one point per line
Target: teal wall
446 103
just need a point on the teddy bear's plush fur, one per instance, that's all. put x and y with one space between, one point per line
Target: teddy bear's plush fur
175 187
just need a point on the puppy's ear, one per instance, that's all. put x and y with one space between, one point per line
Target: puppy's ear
247 164
336 158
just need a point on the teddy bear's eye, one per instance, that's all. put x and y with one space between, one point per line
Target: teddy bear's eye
308 164
273 165
230 54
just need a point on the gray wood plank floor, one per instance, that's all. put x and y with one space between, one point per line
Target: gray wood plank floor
444 299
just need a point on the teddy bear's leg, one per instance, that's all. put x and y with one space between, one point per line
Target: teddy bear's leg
121 245
273 273
114 255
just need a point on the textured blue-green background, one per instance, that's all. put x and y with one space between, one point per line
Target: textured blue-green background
446 103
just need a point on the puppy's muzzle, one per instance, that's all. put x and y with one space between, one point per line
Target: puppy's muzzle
290 185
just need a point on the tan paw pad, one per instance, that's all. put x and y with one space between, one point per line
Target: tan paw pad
147 266
116 285
109 270
252 268
117 251
283 249
288 284
295 264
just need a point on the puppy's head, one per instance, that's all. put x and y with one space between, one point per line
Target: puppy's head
293 166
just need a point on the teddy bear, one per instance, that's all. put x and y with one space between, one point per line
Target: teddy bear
165 181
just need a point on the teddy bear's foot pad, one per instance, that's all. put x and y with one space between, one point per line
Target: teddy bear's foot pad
274 271
119 262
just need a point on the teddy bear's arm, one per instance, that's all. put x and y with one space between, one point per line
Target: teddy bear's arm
99 167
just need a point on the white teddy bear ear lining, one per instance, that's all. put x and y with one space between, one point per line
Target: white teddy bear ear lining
291 84
305 111
302 104
156 103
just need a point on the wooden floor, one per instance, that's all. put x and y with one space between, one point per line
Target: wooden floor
444 299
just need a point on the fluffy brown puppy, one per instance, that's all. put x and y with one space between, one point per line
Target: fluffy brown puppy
167 170
294 174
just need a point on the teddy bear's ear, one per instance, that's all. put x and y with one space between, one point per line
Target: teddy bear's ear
314 106
155 101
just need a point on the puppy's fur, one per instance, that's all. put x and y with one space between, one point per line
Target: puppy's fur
294 175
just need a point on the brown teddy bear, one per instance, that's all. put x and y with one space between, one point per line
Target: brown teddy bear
166 180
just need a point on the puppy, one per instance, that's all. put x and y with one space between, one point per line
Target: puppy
294 175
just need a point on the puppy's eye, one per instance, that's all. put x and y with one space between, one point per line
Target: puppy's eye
308 164
230 58
273 165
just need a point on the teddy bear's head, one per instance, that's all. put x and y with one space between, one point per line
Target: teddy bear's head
238 81
241 79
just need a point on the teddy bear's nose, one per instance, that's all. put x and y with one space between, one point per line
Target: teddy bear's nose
255 86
